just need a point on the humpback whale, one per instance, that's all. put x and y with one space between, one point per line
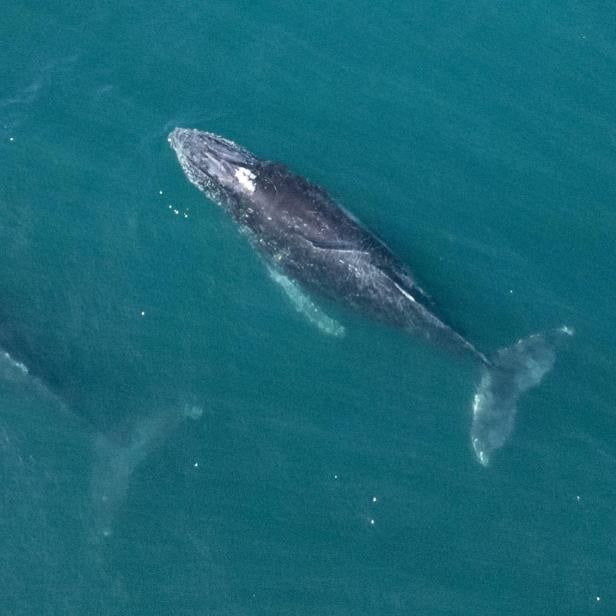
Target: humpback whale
313 245
118 447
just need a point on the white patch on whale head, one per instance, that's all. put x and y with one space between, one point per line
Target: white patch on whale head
245 177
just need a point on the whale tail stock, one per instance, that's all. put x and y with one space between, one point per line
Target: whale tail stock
505 377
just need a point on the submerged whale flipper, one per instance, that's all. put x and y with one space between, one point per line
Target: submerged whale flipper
513 371
305 305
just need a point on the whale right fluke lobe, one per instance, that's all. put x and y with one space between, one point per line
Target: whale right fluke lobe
513 371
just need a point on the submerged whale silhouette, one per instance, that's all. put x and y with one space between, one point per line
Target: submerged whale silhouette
115 454
310 240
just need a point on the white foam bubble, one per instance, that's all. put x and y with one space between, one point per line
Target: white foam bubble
193 411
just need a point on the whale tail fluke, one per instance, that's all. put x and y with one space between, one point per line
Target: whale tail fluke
116 459
511 372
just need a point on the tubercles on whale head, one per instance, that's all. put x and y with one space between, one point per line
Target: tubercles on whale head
217 166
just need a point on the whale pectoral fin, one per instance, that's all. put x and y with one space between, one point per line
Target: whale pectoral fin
305 305
402 277
333 244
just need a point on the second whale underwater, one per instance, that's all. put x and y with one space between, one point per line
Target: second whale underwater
311 244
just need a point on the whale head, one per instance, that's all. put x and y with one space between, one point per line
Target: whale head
221 169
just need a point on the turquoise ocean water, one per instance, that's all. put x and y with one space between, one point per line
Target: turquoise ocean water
175 438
